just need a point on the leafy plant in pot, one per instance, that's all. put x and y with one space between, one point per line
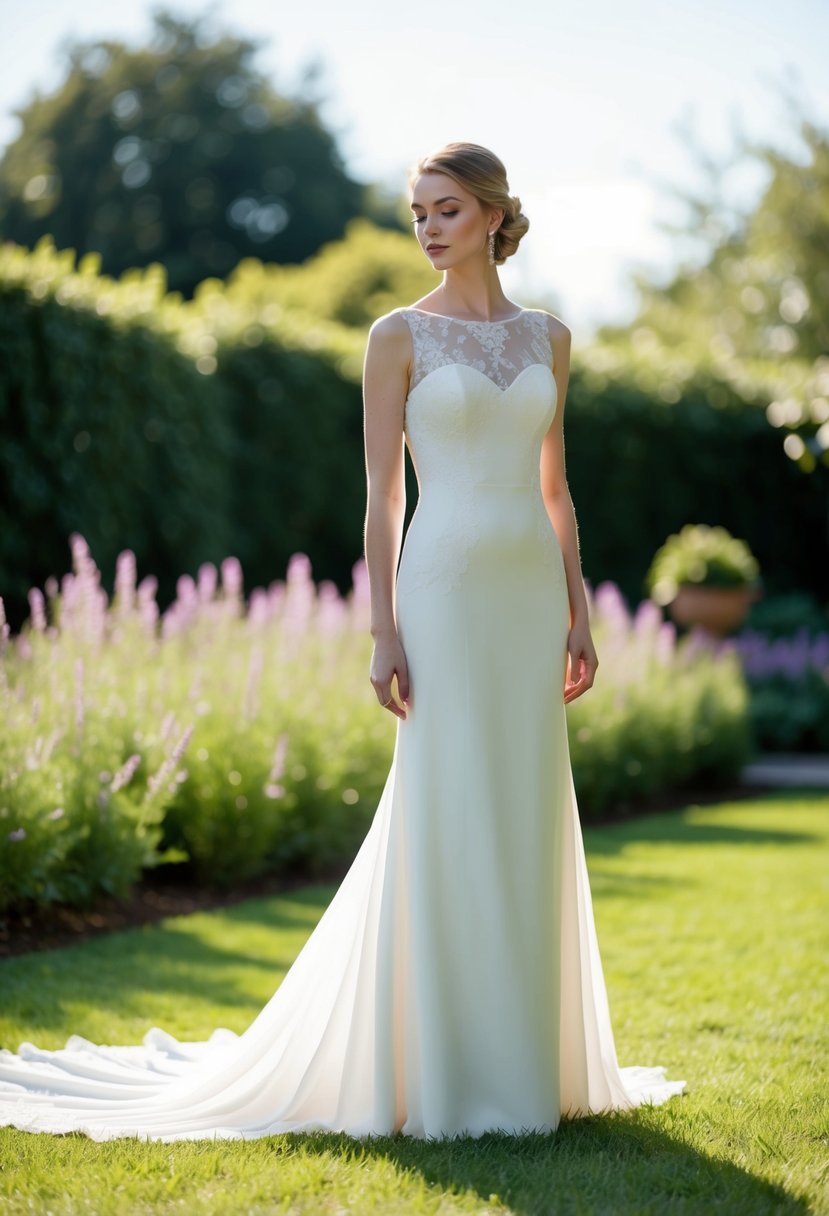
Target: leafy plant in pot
705 577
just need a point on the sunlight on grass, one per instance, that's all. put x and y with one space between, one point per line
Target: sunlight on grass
712 924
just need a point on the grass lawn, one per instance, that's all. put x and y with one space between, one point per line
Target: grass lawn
714 927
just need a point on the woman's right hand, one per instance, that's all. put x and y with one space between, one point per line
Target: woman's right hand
387 660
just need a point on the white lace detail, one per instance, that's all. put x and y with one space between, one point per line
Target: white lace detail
463 432
501 350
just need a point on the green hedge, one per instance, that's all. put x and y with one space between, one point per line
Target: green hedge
233 423
639 469
107 430
296 469
175 430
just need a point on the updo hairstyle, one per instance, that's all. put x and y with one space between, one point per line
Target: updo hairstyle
481 173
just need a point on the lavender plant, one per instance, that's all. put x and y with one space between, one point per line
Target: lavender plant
788 678
663 713
243 736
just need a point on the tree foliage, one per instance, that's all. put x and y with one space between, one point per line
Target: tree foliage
755 309
180 152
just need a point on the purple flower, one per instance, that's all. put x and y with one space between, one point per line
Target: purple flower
4 629
125 774
147 607
665 641
610 606
37 610
232 578
125 579
300 594
208 579
791 658
17 834
648 618
360 595
186 591
169 765
331 610
259 608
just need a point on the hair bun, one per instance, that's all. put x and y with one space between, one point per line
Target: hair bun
513 227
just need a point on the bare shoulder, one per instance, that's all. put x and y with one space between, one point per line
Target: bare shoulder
390 330
390 340
389 351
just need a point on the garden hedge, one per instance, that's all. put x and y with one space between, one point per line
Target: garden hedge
187 431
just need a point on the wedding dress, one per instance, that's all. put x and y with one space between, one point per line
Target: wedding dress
454 983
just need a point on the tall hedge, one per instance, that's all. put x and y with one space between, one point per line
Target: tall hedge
297 467
177 430
639 469
108 431
232 425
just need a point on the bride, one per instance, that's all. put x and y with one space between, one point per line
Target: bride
454 983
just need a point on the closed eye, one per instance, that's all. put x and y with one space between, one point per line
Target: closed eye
418 219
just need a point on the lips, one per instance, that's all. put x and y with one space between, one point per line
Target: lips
436 248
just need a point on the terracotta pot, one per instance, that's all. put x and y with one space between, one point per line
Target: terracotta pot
719 610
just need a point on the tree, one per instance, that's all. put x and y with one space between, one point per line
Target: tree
182 153
762 289
755 307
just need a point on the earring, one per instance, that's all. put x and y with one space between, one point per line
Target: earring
492 248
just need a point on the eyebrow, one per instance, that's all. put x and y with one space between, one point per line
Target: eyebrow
448 198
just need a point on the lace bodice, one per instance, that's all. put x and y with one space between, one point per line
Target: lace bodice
499 349
482 396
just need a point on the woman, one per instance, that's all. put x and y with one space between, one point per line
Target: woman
454 984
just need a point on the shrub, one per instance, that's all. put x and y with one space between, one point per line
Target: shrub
663 714
232 738
788 679
700 555
241 738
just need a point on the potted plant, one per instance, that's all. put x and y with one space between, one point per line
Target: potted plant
705 577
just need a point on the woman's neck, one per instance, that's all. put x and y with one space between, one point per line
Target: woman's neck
472 294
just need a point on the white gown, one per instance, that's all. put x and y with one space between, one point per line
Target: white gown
454 984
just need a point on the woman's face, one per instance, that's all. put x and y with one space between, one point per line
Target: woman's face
449 222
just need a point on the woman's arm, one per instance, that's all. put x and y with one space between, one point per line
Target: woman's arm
385 388
583 660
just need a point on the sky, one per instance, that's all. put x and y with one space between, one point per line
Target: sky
602 112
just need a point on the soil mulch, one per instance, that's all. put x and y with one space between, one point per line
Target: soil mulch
158 896
154 898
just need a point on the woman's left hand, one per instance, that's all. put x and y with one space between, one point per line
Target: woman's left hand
582 662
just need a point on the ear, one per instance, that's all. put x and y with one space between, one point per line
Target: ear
496 217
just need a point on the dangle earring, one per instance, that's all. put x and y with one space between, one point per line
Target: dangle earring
492 248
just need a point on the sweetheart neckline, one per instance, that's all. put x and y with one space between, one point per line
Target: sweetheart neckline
478 372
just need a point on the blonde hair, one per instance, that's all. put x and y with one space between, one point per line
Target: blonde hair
481 173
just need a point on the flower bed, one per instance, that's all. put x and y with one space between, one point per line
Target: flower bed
243 737
788 679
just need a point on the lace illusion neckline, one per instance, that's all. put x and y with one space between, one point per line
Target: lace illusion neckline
441 316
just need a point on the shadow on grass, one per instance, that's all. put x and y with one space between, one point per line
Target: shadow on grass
682 827
621 1164
118 972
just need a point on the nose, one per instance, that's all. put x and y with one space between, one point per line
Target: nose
431 226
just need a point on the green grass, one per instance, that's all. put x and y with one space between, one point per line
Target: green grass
713 927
